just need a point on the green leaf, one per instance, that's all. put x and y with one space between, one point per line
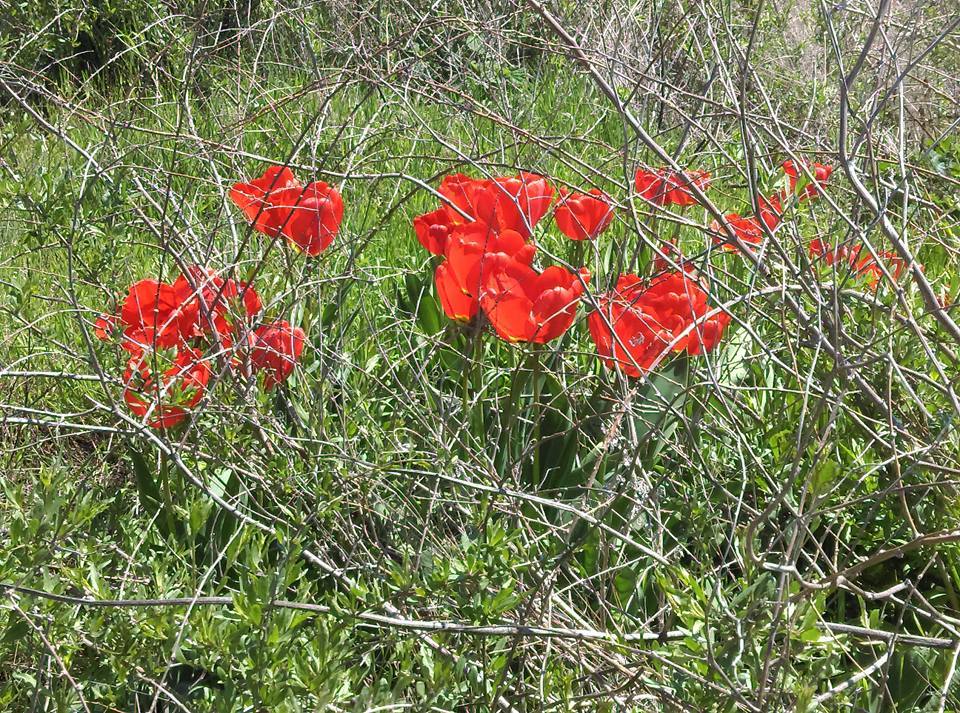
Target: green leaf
147 487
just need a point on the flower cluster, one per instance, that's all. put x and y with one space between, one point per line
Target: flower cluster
483 231
172 333
820 172
751 230
640 322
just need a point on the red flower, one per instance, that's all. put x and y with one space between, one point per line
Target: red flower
167 401
821 173
433 229
456 303
254 198
582 216
463 192
308 216
639 322
822 250
216 300
866 267
514 203
153 316
750 230
105 326
669 249
473 251
663 187
526 306
276 349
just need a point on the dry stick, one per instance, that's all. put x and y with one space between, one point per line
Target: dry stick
53 653
845 575
850 168
452 627
853 680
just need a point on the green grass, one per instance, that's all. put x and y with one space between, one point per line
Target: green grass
443 473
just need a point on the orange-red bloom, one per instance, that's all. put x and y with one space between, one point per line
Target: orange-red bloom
506 203
663 187
639 322
434 228
153 316
215 300
526 306
276 349
254 198
456 303
866 266
583 216
750 230
514 202
463 192
105 325
821 173
309 217
473 251
277 204
165 401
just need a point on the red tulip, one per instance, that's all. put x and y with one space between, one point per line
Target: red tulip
105 326
153 316
819 249
821 173
582 216
463 192
216 300
750 230
167 401
515 202
456 303
663 187
276 349
526 306
254 198
638 323
473 251
867 266
433 229
309 217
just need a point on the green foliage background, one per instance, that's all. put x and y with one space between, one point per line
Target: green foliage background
420 471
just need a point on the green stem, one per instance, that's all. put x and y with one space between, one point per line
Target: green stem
507 420
165 493
537 414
